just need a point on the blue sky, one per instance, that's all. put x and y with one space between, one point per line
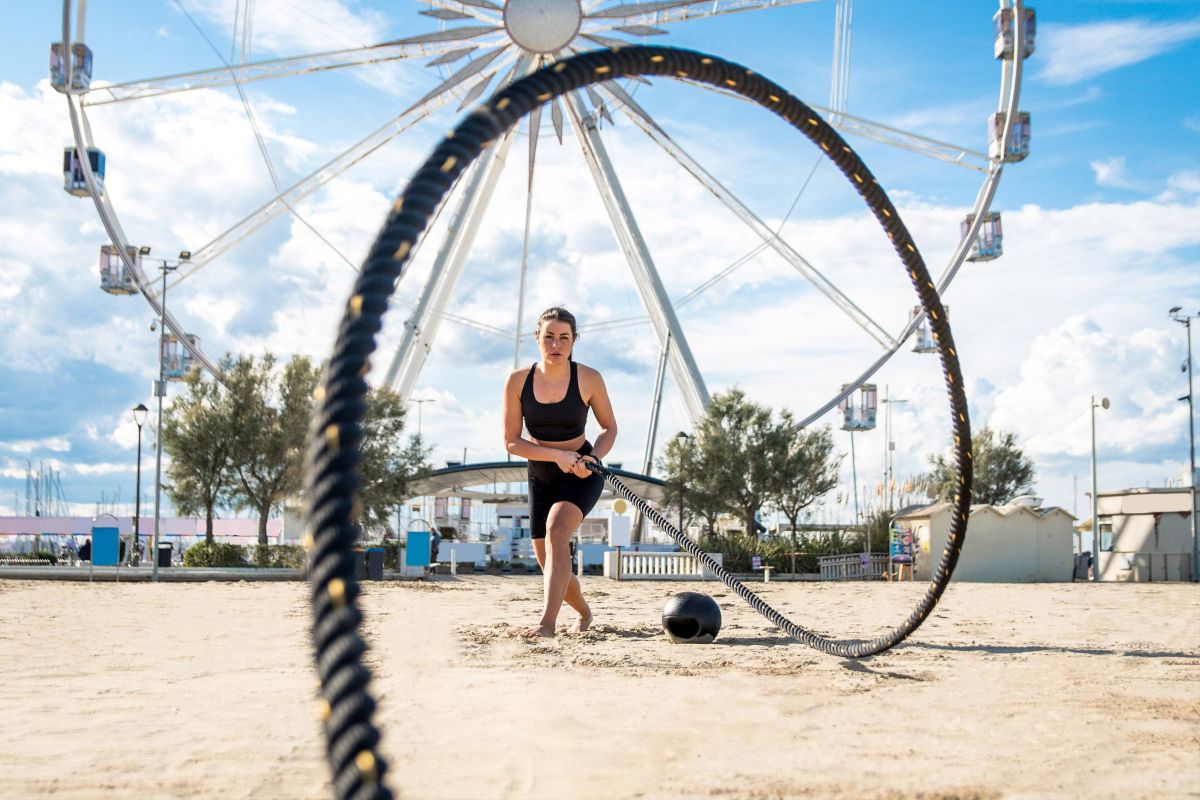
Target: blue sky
1102 227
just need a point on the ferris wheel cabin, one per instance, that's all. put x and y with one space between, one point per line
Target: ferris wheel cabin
115 276
177 359
1003 23
1018 143
989 239
81 72
858 411
924 340
74 181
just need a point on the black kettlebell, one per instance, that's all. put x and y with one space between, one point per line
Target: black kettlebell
691 618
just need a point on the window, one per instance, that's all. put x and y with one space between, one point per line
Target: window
1106 534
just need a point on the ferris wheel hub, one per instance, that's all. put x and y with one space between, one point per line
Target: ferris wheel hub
543 26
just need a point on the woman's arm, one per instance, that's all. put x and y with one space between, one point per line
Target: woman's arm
517 444
597 398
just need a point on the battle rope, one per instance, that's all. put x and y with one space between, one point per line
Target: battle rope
346 705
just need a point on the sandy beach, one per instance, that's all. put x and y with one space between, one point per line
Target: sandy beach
206 690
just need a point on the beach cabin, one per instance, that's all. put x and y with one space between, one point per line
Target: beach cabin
1021 542
1145 535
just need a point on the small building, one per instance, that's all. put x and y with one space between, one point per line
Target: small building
1017 543
1145 535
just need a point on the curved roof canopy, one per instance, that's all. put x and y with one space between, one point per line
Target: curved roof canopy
493 483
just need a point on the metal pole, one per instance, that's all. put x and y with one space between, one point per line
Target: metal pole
160 389
1192 454
137 502
854 476
1095 504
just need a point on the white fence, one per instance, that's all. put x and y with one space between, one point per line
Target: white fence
853 567
649 566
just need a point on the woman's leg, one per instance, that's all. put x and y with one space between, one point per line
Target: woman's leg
555 559
574 596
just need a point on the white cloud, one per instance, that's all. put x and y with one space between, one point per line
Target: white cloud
1072 54
1112 172
55 444
1049 405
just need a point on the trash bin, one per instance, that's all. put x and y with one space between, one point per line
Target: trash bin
164 553
374 563
360 564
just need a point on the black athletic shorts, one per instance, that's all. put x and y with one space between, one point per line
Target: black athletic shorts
549 485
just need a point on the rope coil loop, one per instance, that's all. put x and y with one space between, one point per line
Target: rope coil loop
331 479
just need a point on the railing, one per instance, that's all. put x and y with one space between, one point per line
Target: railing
853 567
637 565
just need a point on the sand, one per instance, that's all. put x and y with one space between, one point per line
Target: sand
206 690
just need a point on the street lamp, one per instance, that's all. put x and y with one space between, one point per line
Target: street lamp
421 403
684 445
160 391
888 445
1095 500
139 417
1186 321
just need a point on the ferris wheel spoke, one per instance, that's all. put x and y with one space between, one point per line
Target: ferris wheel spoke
420 329
666 13
683 365
279 68
906 140
770 238
483 10
281 203
472 68
885 134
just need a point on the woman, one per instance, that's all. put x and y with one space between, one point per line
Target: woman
553 398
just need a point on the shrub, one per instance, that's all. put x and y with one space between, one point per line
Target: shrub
288 556
216 554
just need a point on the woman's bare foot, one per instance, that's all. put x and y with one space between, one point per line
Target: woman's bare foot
583 623
538 632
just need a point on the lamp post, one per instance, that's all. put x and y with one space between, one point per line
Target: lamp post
1095 499
1186 321
139 417
421 403
684 447
888 444
160 391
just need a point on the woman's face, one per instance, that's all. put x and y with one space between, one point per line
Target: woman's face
555 341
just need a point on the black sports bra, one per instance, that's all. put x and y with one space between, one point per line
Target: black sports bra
554 422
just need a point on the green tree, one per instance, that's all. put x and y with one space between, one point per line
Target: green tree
269 412
388 463
733 459
809 469
687 474
1002 470
196 439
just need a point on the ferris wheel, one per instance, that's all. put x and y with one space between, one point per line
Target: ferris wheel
473 47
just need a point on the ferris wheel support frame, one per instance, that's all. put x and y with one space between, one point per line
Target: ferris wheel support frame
629 236
642 119
420 329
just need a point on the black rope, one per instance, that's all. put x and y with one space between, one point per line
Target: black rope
331 480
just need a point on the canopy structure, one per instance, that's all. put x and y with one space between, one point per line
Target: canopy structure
491 483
